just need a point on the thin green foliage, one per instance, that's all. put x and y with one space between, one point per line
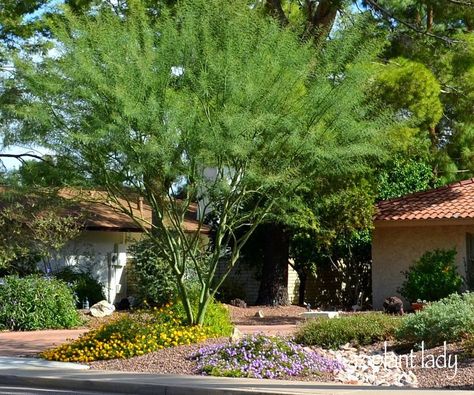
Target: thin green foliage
358 329
212 97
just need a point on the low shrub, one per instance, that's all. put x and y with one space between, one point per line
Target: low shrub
217 318
357 329
84 285
136 334
259 356
432 277
35 302
449 319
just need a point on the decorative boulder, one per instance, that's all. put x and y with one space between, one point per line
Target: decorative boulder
238 303
259 314
102 309
236 335
393 305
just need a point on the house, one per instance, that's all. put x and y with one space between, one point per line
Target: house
102 245
106 235
407 227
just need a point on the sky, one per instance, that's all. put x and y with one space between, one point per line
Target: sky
12 163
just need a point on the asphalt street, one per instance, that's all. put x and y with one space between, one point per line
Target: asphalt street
18 390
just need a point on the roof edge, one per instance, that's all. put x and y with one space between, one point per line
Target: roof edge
456 184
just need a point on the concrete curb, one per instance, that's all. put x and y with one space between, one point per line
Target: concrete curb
128 383
8 363
104 386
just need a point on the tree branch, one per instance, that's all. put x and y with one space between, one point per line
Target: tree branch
462 3
21 157
387 13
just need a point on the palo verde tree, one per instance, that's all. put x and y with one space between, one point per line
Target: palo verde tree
212 99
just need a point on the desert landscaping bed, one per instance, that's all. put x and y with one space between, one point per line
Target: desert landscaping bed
360 367
177 361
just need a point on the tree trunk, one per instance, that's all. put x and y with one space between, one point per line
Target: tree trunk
274 285
275 9
429 18
322 21
302 287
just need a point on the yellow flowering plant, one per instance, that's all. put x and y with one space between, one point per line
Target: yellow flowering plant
137 334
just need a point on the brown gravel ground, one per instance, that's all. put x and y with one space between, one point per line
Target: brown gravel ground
94 322
177 360
448 378
281 315
444 378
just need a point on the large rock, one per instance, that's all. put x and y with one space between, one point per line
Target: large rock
393 305
102 309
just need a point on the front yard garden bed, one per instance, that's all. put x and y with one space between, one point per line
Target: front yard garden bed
179 360
360 349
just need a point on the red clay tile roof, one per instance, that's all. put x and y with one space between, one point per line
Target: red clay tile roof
448 202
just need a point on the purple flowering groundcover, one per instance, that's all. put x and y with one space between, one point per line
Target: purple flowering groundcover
259 356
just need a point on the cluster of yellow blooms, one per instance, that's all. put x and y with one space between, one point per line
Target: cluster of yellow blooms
129 336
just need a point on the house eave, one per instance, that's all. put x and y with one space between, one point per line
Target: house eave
423 222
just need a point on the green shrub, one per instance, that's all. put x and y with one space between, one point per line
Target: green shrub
449 319
432 277
35 302
217 318
152 277
83 284
357 329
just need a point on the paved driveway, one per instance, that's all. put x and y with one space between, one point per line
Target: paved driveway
21 344
270 330
28 344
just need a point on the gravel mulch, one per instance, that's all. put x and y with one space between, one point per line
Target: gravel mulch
447 378
177 360
429 377
90 322
174 360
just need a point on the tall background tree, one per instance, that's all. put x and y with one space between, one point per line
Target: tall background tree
212 96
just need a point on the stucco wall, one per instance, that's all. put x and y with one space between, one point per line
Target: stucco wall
396 248
91 251
293 286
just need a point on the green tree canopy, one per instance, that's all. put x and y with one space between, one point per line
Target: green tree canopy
213 97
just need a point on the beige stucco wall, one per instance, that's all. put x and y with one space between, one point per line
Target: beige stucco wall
293 285
91 251
395 248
